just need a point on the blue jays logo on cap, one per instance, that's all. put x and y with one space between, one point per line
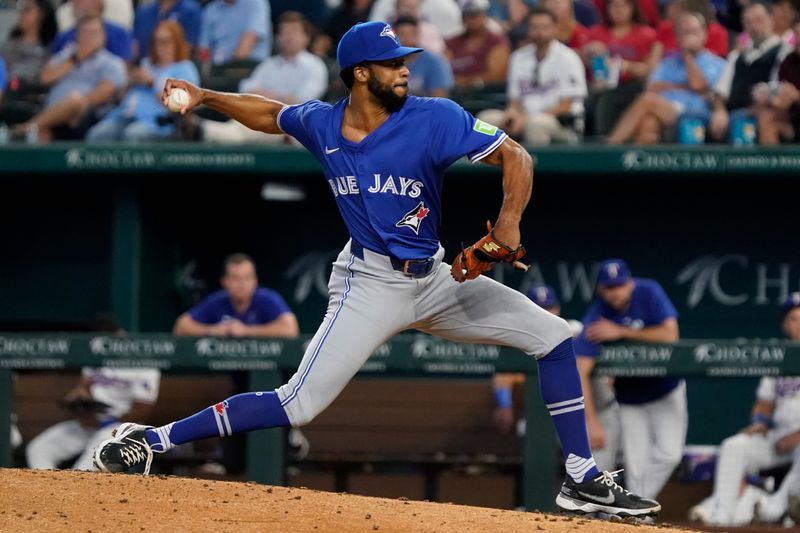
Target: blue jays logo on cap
368 41
613 272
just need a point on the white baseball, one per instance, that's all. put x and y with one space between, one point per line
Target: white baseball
177 100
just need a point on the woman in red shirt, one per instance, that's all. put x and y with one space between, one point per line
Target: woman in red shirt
628 45
570 32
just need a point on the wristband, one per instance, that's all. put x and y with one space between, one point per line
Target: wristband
503 398
761 419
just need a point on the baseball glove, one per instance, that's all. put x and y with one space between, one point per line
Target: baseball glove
482 256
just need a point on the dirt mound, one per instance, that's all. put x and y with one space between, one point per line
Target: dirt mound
86 501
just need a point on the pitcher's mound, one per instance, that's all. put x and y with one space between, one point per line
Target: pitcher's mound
85 501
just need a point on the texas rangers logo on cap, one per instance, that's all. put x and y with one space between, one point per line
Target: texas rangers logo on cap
389 32
413 218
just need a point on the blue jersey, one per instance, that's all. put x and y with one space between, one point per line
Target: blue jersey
388 186
650 306
267 305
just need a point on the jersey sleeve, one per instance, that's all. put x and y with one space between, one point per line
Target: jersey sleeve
297 121
205 311
272 305
662 307
767 389
583 346
458 133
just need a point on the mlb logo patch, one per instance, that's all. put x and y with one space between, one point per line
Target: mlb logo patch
485 128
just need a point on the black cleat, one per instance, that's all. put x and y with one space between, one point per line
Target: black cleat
604 496
126 449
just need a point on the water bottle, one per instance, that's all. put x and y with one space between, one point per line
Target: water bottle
32 134
3 133
743 131
691 130
600 71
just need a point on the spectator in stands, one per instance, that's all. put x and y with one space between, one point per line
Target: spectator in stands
783 13
649 9
187 13
348 14
241 308
757 63
772 439
429 73
27 48
141 116
316 12
570 31
653 411
623 46
84 77
778 104
103 398
120 12
428 37
118 39
444 14
678 87
294 75
717 35
546 87
235 30
479 57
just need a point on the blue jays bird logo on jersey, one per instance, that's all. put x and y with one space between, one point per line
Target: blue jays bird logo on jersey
413 218
389 32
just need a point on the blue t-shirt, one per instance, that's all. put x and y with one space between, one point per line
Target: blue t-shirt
187 13
118 40
224 23
388 186
672 69
650 306
429 72
267 305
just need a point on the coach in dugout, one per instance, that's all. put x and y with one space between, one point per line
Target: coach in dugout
241 308
653 411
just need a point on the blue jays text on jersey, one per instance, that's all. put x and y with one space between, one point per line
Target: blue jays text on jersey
388 186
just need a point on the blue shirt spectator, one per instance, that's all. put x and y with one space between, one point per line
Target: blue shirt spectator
672 69
138 116
187 13
267 305
242 308
118 40
430 75
226 22
649 306
88 74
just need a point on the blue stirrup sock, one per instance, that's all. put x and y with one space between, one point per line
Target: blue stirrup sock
243 412
560 384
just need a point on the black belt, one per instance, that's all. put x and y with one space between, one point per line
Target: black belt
410 267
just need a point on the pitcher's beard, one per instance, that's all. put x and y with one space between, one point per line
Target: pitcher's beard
385 95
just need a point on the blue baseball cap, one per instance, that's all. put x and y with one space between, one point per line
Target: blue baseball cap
613 272
792 301
543 296
370 41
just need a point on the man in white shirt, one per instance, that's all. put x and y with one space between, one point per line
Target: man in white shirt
546 87
293 76
103 398
445 15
